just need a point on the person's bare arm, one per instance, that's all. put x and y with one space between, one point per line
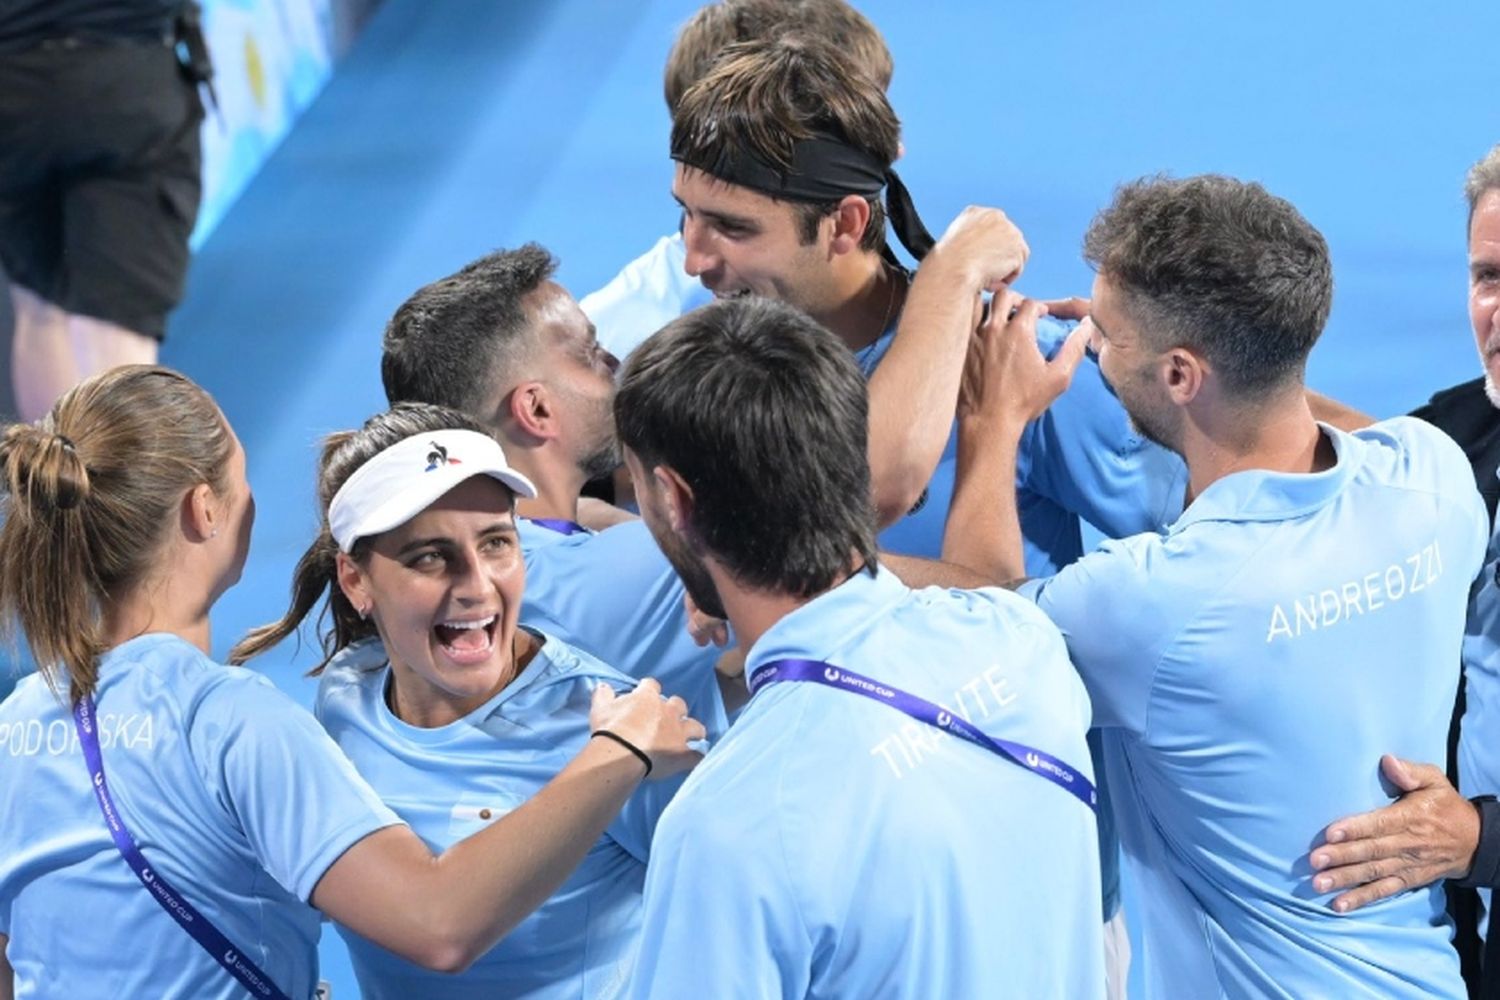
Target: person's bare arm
1430 833
1007 383
913 391
917 573
7 974
444 912
597 515
1336 414
983 532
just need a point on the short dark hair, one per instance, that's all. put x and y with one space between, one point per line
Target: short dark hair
445 342
1221 266
702 40
764 414
762 97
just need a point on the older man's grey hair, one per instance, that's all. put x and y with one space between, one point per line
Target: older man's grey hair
1483 178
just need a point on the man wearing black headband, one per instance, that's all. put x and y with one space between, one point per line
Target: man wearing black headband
784 176
654 289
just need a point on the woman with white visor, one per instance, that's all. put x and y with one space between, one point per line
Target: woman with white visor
454 714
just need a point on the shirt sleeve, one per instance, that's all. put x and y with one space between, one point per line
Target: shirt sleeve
283 782
1115 626
1083 455
720 918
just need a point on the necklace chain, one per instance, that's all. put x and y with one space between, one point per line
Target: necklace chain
885 321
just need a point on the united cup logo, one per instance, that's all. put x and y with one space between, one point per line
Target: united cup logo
830 673
1032 760
147 876
230 957
944 720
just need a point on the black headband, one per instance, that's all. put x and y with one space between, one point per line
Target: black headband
823 169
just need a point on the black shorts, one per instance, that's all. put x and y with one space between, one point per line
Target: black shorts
99 177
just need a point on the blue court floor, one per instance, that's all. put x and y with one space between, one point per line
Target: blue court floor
458 126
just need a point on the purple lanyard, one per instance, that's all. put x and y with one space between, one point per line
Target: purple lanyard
205 933
1036 761
559 525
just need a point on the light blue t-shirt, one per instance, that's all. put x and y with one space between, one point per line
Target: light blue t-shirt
616 597
830 846
231 790
1250 667
453 781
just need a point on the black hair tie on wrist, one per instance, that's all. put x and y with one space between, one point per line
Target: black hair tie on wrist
627 745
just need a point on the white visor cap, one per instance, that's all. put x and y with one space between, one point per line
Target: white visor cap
409 476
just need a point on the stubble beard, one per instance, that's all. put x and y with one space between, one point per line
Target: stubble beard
694 574
1490 349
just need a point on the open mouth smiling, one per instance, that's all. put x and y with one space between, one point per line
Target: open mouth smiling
467 640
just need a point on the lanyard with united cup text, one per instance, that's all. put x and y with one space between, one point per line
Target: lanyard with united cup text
1036 761
196 924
